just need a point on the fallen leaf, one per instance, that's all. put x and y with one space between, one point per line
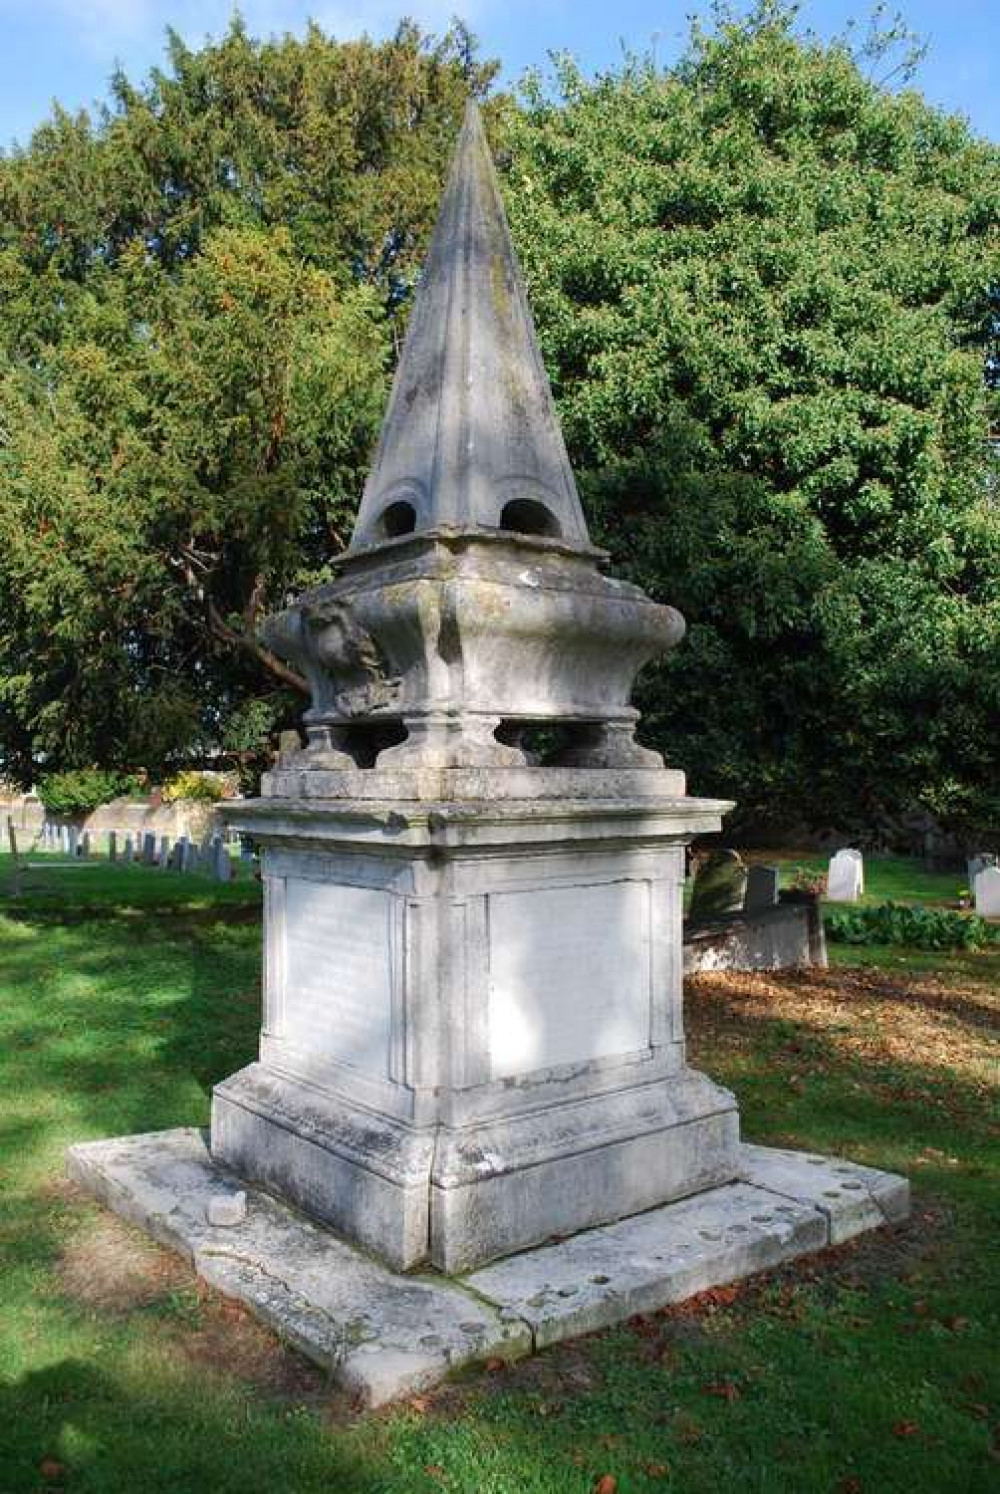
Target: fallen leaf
434 1469
51 1468
419 1403
606 1484
494 1366
849 1485
655 1470
724 1389
905 1429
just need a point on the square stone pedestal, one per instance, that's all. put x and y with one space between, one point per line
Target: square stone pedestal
473 1036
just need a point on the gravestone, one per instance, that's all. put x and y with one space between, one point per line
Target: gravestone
163 853
128 855
221 863
987 891
845 880
177 853
976 864
85 845
74 841
112 845
720 886
762 888
190 857
149 849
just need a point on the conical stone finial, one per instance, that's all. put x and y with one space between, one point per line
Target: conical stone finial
471 437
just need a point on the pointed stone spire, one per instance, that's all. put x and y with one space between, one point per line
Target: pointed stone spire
471 437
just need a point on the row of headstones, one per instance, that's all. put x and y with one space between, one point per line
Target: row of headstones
183 855
723 884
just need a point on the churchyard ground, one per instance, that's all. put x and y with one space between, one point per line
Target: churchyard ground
124 992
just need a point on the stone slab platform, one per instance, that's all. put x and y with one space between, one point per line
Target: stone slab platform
383 1335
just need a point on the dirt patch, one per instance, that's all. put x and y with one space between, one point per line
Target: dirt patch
114 1269
111 1268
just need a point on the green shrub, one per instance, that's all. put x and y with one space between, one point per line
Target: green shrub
917 928
201 788
79 790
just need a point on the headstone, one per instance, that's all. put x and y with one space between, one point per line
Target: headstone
976 864
177 854
85 845
845 881
163 854
190 857
719 887
149 849
246 850
64 839
128 855
112 845
762 888
11 837
987 890
74 841
222 866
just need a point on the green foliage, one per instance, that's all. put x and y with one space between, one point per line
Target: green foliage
81 790
198 788
766 288
200 294
912 927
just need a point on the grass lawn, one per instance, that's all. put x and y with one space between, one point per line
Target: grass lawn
897 879
125 992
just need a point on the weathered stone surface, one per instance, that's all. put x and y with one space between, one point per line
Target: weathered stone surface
987 891
853 1198
845 880
384 1335
640 1264
761 889
381 1335
719 887
789 936
473 1026
227 1209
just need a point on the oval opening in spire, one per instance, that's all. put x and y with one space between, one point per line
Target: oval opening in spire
527 516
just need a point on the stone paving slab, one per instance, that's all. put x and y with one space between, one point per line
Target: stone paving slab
383 1334
605 1275
853 1198
380 1334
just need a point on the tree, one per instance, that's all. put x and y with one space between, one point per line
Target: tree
766 288
200 292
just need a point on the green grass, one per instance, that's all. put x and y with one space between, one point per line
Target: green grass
124 993
898 879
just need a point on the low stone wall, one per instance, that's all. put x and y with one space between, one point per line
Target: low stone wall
126 816
788 936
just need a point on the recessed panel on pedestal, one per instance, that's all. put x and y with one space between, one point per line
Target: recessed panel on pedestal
337 997
570 975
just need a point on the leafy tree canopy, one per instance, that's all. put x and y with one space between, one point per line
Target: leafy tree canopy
766 288
199 291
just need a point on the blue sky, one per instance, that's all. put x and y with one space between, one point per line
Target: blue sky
65 49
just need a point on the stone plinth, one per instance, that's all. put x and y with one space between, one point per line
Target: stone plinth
473 1034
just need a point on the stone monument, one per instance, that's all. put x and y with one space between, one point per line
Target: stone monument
472 1035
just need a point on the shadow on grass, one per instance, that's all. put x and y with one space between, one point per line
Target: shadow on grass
72 1424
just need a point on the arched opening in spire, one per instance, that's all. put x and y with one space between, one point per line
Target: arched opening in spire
528 516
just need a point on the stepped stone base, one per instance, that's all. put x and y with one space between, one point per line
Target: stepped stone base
382 1334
